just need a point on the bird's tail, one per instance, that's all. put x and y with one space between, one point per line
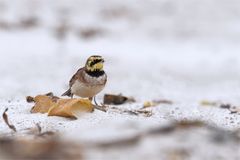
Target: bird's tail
67 93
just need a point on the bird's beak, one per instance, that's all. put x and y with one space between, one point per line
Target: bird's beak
103 61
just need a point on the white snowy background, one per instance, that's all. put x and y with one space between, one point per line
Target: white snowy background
185 51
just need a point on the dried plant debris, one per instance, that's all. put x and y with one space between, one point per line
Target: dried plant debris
42 103
121 142
34 144
141 112
39 128
117 99
163 101
216 135
154 103
209 103
101 107
231 108
75 107
189 124
5 118
29 99
38 132
234 109
135 139
32 148
71 108
55 106
145 113
175 126
54 98
225 106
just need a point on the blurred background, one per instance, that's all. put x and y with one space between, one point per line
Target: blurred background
165 47
185 51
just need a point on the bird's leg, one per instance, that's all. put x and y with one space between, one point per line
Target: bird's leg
97 106
71 95
94 99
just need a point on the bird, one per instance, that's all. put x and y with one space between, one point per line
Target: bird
89 80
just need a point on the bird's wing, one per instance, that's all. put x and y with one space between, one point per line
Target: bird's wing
78 76
105 79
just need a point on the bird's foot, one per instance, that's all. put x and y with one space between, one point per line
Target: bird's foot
101 107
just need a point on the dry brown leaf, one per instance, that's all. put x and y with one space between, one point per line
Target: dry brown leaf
42 104
116 99
70 107
55 106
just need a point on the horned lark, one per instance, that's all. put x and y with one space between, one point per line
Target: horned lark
89 80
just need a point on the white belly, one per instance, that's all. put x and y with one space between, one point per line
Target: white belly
83 90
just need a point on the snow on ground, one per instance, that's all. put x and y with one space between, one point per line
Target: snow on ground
153 50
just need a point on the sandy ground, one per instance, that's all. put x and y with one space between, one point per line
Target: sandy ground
150 54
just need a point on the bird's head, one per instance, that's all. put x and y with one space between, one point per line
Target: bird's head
94 63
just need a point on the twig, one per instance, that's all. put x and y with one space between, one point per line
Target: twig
39 128
143 112
101 108
5 118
